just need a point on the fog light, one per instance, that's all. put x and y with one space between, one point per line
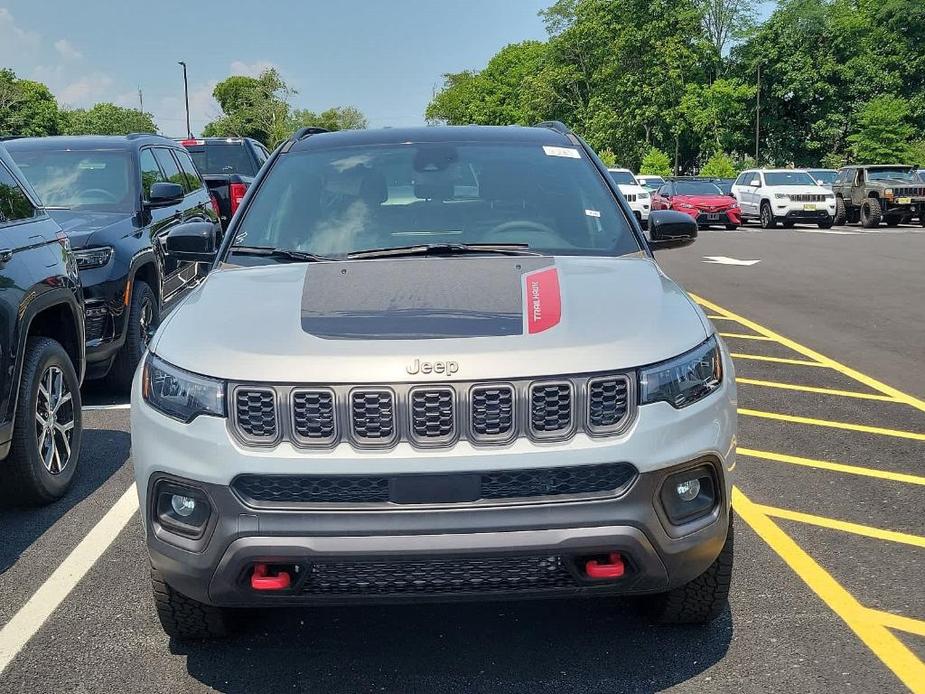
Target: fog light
687 490
184 506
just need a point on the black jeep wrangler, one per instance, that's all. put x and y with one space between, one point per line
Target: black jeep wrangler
117 198
873 193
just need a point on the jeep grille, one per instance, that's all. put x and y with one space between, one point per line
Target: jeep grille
313 415
492 412
908 192
372 416
807 197
255 414
433 415
551 411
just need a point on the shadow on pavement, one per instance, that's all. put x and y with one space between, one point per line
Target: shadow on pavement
551 646
101 393
102 453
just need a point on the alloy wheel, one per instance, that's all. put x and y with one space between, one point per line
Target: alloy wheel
145 322
54 420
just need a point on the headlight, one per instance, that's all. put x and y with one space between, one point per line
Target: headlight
88 258
683 380
888 191
830 196
781 196
643 196
181 394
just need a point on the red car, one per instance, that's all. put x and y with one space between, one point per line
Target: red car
702 200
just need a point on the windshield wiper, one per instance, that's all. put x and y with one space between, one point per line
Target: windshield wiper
446 249
280 254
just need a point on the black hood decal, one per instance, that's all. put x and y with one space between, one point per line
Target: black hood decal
417 299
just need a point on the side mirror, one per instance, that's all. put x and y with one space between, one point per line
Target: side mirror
671 229
193 241
820 182
165 194
755 184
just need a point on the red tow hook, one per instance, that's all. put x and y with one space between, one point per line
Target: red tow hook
612 569
262 580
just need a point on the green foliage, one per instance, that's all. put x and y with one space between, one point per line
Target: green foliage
608 157
26 108
106 119
720 114
884 133
720 165
258 107
655 163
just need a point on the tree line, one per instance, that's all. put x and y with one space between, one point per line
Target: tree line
702 86
257 107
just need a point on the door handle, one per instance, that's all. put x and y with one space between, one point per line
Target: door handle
6 255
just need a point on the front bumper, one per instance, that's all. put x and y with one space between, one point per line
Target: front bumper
342 553
798 211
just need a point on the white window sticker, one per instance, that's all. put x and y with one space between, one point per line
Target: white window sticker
592 213
568 152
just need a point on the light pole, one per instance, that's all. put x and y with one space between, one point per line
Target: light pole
189 131
757 113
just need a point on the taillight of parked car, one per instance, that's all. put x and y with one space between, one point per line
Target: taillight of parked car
236 192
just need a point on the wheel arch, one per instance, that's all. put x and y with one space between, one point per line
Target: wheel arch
146 269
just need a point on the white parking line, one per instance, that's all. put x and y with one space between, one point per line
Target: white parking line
30 618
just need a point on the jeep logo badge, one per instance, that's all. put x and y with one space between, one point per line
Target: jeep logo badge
447 368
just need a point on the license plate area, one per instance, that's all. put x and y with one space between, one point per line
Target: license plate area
713 217
809 207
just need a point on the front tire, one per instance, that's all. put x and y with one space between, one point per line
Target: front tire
871 213
703 599
45 448
143 318
826 223
767 216
841 212
732 227
184 618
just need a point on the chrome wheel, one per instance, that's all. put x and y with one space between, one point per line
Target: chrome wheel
54 420
767 220
145 322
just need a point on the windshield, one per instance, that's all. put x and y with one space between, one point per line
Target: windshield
893 174
222 159
696 188
80 179
338 201
623 178
827 177
788 178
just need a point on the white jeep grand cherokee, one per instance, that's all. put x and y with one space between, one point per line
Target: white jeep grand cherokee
434 364
785 196
638 197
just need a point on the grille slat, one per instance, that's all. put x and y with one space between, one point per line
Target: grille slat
908 192
255 413
313 418
607 403
438 576
808 197
492 412
372 416
551 411
433 415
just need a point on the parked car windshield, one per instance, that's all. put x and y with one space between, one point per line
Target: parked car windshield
331 202
894 174
696 188
788 178
827 177
623 178
98 180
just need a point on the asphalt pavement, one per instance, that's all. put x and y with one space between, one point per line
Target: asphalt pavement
829 333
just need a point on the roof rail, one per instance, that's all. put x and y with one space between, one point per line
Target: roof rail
135 136
558 126
301 134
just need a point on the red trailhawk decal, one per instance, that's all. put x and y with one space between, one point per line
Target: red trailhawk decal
542 303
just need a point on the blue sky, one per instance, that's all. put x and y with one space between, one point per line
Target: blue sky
382 56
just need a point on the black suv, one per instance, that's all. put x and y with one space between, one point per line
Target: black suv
117 198
41 347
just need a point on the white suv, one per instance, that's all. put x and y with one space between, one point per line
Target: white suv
783 195
638 197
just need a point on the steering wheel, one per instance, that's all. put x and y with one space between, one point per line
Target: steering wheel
99 193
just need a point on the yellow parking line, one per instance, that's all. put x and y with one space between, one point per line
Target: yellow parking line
891 651
834 467
897 621
717 317
776 360
814 389
745 336
813 354
844 526
914 435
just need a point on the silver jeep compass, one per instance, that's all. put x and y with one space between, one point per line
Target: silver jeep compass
434 364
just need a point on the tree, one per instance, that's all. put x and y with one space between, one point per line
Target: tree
720 165
337 118
608 158
106 119
724 20
884 134
655 163
27 108
720 114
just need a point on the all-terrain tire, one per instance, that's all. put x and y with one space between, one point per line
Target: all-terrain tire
871 213
184 618
841 212
26 479
701 600
143 318
767 216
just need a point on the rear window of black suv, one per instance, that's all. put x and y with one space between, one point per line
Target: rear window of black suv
334 201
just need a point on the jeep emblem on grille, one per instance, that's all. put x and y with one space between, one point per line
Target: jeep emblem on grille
447 368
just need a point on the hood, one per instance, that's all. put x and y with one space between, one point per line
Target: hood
369 321
892 182
706 202
801 190
81 226
630 188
